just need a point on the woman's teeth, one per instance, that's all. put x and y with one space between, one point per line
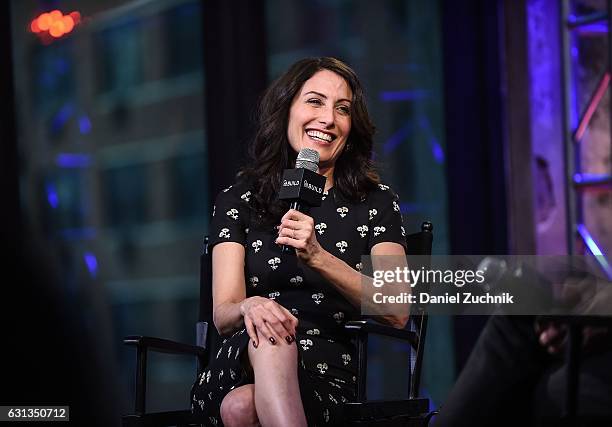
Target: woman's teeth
319 135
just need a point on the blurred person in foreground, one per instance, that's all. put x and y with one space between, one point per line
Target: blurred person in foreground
517 371
54 348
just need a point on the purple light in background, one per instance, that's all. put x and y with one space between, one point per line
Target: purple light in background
575 109
408 208
68 160
84 124
595 250
403 95
574 51
419 207
437 151
52 197
593 29
397 138
78 234
62 117
92 263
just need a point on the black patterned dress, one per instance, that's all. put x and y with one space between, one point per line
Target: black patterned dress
327 357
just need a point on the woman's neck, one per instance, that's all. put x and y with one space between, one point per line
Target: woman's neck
328 173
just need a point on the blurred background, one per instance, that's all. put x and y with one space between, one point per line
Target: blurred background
121 120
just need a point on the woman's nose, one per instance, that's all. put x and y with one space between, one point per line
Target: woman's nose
327 117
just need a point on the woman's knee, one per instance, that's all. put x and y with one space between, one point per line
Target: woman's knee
238 407
279 354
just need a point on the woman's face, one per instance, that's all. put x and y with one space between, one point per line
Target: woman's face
320 116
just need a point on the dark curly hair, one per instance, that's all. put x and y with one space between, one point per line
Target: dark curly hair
270 152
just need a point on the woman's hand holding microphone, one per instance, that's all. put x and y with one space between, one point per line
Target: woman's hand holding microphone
297 230
265 318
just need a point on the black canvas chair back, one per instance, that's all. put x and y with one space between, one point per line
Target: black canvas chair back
413 411
206 333
419 244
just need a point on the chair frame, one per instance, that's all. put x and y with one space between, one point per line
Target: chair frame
414 410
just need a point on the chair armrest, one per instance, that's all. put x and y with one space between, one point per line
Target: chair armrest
163 346
362 326
143 345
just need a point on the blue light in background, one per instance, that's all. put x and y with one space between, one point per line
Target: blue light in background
404 95
436 150
84 124
92 263
61 65
414 208
69 160
62 116
78 234
397 138
409 208
46 79
52 196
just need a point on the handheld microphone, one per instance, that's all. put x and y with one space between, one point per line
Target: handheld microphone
303 186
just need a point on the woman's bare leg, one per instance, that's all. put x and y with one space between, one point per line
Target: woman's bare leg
277 392
238 407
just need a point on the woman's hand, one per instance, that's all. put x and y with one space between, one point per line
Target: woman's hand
297 230
265 318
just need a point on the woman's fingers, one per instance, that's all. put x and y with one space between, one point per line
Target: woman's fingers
264 330
278 322
292 320
265 319
295 220
294 214
272 323
296 230
251 331
290 223
282 323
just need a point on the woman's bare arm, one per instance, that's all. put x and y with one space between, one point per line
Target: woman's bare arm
297 230
262 317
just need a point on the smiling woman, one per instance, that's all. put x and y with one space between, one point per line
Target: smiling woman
320 118
320 95
300 365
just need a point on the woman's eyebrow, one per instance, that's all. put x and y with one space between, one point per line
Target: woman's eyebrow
324 96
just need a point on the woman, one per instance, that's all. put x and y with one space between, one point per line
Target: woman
300 367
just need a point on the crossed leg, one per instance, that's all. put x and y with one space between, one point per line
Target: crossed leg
274 399
238 407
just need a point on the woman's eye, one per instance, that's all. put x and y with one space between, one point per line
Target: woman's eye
314 101
344 109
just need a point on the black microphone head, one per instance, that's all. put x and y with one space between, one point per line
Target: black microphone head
308 158
303 183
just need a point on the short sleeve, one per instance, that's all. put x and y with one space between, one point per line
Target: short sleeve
385 217
229 217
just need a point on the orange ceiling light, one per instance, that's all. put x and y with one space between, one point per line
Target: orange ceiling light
55 23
